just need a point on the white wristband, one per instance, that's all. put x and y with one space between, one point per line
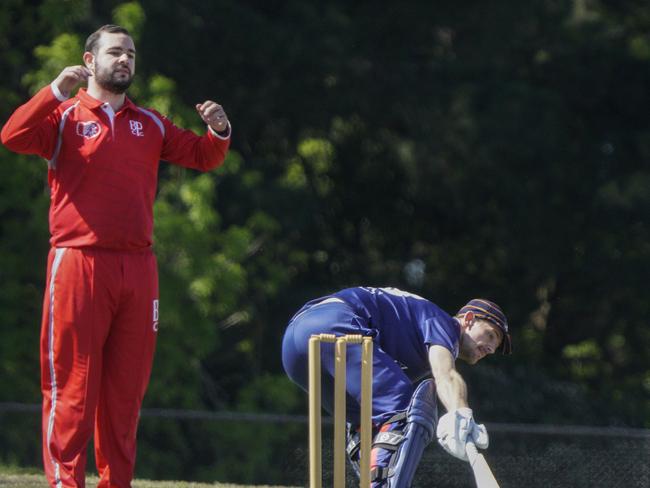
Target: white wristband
216 134
57 93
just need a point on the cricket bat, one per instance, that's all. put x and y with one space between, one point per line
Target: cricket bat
482 472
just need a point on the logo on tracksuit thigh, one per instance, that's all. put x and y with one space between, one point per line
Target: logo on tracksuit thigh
155 315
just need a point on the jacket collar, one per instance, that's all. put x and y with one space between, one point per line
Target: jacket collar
92 103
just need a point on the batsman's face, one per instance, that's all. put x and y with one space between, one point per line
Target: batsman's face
480 338
114 62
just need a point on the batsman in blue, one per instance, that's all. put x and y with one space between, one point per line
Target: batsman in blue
415 348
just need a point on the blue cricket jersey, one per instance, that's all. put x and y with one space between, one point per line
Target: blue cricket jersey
404 324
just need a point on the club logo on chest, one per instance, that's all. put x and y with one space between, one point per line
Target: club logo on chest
136 128
88 130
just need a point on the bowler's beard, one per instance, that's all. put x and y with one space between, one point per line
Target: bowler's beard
112 81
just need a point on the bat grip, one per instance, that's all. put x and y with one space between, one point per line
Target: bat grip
472 452
482 472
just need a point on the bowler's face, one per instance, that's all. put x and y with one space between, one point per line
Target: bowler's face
115 61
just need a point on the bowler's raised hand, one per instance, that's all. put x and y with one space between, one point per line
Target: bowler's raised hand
213 114
70 77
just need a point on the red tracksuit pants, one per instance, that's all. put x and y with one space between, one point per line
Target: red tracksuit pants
100 317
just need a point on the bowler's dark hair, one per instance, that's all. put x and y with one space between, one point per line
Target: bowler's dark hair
91 42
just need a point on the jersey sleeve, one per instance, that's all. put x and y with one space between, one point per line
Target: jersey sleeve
33 127
441 331
185 148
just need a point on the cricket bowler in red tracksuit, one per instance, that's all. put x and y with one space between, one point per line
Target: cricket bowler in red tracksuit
100 309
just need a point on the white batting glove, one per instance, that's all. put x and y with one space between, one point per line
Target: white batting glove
455 427
480 436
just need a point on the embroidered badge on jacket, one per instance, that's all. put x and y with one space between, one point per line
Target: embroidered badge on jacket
136 128
89 130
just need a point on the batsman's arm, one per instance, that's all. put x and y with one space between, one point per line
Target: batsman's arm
457 425
450 386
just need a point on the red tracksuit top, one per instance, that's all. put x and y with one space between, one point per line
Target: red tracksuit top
103 166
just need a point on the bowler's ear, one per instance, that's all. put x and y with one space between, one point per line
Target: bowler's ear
89 60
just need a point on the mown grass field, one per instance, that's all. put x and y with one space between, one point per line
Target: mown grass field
31 478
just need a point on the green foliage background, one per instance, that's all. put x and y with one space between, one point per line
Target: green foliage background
451 150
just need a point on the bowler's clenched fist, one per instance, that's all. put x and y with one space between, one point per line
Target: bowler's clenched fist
213 114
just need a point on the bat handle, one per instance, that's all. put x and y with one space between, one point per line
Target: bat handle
472 452
482 472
